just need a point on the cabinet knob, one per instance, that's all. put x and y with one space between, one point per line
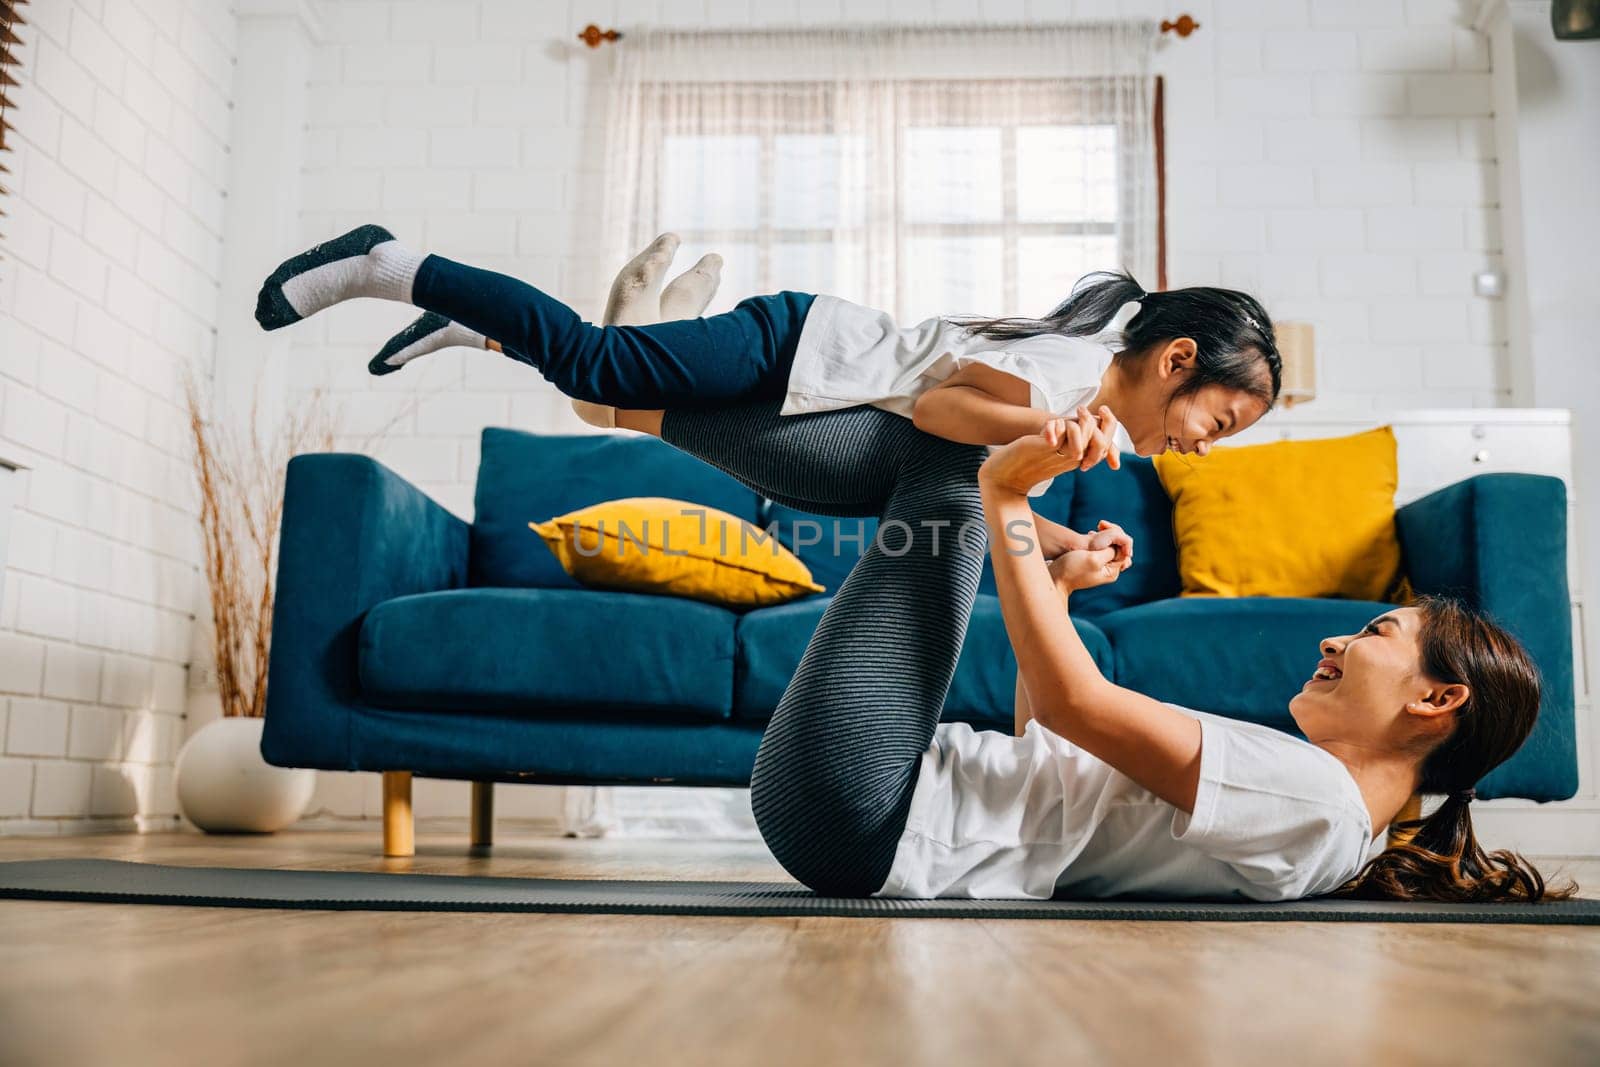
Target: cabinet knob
1481 456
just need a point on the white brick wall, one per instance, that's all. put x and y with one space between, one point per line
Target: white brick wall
1335 158
108 288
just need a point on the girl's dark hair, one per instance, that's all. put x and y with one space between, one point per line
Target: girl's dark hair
1438 858
1233 336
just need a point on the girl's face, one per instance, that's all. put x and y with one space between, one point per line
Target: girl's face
1155 422
1369 689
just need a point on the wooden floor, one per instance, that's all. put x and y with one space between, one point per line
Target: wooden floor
103 984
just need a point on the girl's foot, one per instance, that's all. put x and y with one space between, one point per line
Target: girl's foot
687 295
601 415
367 261
635 297
428 333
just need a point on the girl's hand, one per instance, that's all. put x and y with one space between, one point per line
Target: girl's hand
1099 430
1110 535
1062 445
1085 568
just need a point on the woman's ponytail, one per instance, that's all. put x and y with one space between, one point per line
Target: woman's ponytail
1438 858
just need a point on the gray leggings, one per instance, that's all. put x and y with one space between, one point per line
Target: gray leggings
838 763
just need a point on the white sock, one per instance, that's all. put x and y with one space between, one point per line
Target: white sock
428 333
367 261
386 272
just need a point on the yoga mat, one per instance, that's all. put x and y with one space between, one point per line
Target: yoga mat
113 881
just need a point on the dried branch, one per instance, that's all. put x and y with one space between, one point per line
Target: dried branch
241 482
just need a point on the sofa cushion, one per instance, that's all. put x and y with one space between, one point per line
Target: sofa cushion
1244 658
771 641
524 477
652 544
1311 518
837 543
550 651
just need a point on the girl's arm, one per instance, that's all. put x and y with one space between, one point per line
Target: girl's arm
978 405
1149 742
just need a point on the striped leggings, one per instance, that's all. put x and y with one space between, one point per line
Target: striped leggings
837 766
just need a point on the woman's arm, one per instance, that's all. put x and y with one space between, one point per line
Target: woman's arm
1151 743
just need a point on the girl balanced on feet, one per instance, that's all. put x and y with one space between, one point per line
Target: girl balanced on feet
1178 370
858 789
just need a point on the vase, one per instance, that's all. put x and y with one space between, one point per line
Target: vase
225 786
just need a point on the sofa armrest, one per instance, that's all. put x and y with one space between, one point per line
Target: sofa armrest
1499 542
354 534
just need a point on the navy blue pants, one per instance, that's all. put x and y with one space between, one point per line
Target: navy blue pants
743 355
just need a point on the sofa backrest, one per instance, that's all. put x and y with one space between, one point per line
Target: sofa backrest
1132 498
526 477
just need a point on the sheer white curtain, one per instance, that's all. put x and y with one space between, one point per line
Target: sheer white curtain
922 171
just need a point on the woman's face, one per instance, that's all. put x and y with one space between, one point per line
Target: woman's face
1155 422
1369 687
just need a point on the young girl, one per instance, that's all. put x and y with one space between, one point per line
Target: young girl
1126 354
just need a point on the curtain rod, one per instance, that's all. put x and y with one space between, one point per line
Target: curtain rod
594 36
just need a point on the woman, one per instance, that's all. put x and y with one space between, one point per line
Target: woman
1109 792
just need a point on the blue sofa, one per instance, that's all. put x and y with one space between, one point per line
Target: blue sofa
407 641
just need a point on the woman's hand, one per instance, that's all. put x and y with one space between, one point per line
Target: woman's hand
1062 445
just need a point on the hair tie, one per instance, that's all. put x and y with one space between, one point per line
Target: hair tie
1464 796
1114 334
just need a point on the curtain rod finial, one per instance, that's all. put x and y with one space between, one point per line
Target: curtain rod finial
592 35
1185 25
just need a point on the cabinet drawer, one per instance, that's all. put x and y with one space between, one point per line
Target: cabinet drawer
1440 455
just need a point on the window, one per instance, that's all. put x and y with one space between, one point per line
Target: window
989 198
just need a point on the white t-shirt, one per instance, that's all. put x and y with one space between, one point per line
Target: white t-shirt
997 816
849 355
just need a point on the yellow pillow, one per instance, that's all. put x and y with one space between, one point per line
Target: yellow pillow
652 544
1294 518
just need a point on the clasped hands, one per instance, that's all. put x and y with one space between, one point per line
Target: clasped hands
1076 560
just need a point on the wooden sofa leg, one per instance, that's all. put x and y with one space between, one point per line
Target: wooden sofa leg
482 814
399 831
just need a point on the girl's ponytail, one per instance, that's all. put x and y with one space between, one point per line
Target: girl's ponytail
1094 302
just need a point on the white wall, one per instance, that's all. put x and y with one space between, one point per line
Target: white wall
108 287
1336 158
1547 96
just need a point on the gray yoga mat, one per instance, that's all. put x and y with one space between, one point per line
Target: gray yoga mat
112 881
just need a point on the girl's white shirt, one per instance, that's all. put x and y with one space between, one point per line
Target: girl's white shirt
849 355
992 815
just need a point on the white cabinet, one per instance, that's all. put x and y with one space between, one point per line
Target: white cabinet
1439 447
